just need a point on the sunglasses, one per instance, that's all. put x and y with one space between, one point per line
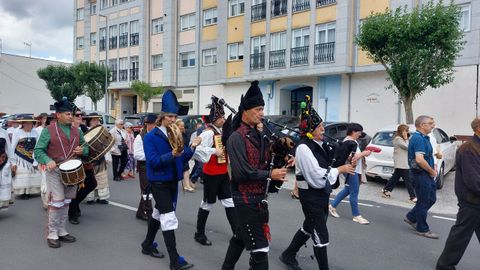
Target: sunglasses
78 115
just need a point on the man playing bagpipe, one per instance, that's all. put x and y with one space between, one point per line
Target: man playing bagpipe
314 174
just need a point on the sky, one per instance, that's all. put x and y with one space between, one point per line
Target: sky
46 24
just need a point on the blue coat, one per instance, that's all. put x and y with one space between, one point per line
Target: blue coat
162 166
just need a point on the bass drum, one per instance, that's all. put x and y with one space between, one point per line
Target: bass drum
99 141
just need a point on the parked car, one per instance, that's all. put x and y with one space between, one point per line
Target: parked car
4 119
380 165
136 120
107 120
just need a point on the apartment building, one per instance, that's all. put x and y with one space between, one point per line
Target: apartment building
293 47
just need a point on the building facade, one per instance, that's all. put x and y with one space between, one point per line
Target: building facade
293 47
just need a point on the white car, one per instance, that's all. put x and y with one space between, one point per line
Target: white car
380 165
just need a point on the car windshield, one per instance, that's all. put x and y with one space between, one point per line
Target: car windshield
134 121
384 138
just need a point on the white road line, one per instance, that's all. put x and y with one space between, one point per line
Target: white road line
445 218
122 206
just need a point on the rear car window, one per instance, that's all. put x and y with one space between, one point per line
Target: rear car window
134 121
384 138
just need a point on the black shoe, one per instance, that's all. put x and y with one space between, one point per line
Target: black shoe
291 265
24 196
202 239
74 220
181 264
53 243
67 238
142 217
152 252
117 178
90 202
102 201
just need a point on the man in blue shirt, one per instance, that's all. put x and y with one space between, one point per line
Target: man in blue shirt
423 173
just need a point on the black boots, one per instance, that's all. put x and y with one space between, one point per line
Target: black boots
148 247
288 256
321 256
200 236
258 261
234 252
176 262
232 220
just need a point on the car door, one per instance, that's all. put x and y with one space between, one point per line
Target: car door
448 149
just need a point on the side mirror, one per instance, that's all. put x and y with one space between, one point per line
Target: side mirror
453 139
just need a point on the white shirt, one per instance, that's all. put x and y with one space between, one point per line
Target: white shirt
307 165
205 150
138 153
8 146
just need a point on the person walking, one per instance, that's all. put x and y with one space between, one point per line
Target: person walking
467 189
422 171
400 163
119 150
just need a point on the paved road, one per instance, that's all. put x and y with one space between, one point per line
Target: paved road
109 237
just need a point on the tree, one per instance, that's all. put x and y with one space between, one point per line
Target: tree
145 91
61 82
417 48
91 78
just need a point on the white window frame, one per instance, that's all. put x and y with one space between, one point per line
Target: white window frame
103 4
210 16
93 9
187 22
209 57
257 45
114 3
80 14
235 51
112 31
123 63
80 43
304 33
103 33
278 41
236 8
188 56
157 61
464 23
123 29
134 27
157 26
258 2
93 39
326 27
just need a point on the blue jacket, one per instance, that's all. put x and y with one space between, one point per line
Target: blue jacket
162 166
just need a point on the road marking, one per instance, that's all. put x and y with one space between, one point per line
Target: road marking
122 206
445 218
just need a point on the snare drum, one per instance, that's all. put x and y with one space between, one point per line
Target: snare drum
99 141
72 172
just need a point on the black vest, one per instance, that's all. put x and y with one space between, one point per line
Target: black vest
323 155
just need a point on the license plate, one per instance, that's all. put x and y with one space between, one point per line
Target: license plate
387 170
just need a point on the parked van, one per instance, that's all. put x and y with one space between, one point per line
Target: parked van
107 120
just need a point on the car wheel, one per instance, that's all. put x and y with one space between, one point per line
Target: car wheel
440 177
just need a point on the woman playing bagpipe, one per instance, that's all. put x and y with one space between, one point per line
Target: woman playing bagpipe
315 176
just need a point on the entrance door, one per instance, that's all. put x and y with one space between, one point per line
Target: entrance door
298 95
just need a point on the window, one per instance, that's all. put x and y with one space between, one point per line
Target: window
299 5
210 16
187 59
93 39
134 68
112 32
103 4
157 61
123 69
103 39
300 37
134 35
123 37
325 33
114 3
93 9
79 43
258 44
236 7
235 51
259 10
157 26
279 7
209 57
278 41
113 69
464 18
79 14
187 22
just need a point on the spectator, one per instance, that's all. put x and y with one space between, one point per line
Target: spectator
187 185
130 167
197 171
119 150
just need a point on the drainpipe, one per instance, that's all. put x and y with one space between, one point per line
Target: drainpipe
476 96
349 96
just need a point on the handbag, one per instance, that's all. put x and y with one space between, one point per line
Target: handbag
123 147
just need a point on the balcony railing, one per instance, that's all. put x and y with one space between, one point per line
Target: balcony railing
134 39
259 12
102 44
112 44
300 5
257 61
133 74
324 52
299 56
279 7
123 41
321 3
123 75
277 59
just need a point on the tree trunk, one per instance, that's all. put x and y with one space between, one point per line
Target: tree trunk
146 106
95 105
407 104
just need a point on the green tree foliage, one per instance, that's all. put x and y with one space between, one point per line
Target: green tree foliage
60 81
417 47
145 91
91 78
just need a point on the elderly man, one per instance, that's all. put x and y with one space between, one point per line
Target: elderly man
467 189
423 173
119 150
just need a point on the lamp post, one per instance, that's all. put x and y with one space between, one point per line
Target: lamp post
29 45
106 61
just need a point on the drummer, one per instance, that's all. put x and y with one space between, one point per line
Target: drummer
59 142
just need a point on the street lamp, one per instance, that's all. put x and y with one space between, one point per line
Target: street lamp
29 45
106 61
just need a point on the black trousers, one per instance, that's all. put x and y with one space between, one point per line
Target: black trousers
315 209
405 175
89 184
119 163
145 206
468 222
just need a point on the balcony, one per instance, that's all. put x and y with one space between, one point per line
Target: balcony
277 59
299 56
257 61
123 41
102 44
325 52
300 5
112 44
259 12
134 39
123 75
133 74
321 3
279 8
